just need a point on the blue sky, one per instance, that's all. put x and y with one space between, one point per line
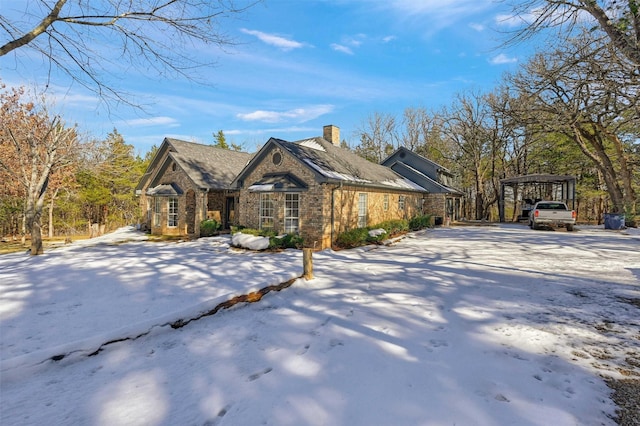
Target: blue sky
302 64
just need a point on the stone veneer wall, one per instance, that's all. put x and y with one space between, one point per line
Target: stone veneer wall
147 204
435 205
346 207
311 200
317 201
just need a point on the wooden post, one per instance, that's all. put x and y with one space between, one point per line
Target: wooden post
307 263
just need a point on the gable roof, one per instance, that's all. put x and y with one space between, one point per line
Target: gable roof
422 179
419 169
166 190
207 166
331 163
415 160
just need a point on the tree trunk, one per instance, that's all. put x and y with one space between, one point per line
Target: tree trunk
602 162
33 217
626 176
36 239
53 197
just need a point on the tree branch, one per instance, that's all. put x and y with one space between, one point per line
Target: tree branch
39 29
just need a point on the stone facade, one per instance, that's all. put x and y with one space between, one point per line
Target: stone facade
194 204
159 226
325 209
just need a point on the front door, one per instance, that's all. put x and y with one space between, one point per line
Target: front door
230 213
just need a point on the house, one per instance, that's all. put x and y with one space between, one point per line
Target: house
318 189
443 201
186 183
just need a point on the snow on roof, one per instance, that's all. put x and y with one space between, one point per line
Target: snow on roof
311 143
402 183
261 187
331 174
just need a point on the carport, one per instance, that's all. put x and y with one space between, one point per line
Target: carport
525 191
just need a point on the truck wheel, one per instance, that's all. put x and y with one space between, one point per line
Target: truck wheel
570 228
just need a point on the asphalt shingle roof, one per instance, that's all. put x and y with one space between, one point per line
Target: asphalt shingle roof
336 163
208 166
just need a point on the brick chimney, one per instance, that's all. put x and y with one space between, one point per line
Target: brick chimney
331 133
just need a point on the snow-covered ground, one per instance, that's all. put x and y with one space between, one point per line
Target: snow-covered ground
495 325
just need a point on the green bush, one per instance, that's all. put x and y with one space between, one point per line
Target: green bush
286 241
420 222
376 238
275 242
353 238
252 231
209 227
236 228
393 227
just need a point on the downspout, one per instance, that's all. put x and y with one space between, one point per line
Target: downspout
333 203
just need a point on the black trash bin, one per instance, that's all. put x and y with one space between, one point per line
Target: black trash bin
437 221
614 221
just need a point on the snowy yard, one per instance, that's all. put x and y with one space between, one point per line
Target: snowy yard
496 325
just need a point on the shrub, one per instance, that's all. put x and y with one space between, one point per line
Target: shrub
275 241
375 237
252 231
209 227
236 228
286 241
420 222
353 238
393 227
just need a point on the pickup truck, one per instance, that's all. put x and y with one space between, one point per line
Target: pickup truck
552 214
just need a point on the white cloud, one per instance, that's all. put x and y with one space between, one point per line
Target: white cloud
502 59
274 40
153 121
271 130
438 14
341 48
298 114
477 27
388 39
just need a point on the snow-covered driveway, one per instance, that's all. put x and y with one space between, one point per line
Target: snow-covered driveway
466 325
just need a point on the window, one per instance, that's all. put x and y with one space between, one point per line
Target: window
385 203
266 211
276 158
401 202
291 213
362 210
157 211
172 212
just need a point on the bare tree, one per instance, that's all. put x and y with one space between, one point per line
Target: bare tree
467 125
32 146
378 137
589 94
620 20
93 41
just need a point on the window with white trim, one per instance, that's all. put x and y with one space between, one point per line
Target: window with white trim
401 202
172 212
266 210
362 210
385 203
291 213
157 211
